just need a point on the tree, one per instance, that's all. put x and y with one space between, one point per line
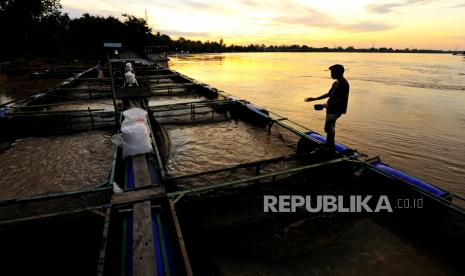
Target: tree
18 18
137 32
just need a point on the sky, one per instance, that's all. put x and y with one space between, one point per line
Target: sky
421 24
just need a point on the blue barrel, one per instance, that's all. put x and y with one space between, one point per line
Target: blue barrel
411 180
4 111
257 109
339 147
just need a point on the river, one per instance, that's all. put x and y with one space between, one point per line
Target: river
407 108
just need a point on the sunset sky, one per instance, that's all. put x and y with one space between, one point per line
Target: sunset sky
431 24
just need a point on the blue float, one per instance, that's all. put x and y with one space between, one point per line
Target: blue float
410 179
339 147
4 111
256 109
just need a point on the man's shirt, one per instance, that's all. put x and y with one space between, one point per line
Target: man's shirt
338 97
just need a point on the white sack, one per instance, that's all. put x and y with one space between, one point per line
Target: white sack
135 114
136 138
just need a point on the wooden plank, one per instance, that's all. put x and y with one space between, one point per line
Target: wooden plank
182 246
143 248
83 90
142 245
161 76
50 215
173 93
103 248
136 196
94 80
144 261
138 76
172 85
168 88
141 171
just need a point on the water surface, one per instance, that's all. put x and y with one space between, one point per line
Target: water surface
17 87
40 165
219 145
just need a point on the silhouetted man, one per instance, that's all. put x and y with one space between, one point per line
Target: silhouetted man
336 105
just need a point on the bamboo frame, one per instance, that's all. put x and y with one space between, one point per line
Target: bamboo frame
199 190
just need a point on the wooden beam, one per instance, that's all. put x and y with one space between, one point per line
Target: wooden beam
142 244
182 246
172 85
103 247
135 196
141 171
162 76
50 215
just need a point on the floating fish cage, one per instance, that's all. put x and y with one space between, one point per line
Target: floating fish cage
195 204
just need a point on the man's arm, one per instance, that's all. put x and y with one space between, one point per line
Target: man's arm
317 98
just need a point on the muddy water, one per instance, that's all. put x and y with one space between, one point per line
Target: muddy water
34 165
320 247
17 87
211 146
105 104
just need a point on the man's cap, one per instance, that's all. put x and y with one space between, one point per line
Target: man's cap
336 68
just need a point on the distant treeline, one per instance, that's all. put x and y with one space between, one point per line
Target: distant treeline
40 28
198 46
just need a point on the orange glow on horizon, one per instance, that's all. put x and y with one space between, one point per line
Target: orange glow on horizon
366 23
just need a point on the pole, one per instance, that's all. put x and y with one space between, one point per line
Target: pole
113 91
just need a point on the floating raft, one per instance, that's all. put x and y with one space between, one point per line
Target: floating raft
211 220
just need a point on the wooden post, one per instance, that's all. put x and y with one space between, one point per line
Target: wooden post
192 119
257 172
193 114
103 248
113 91
182 246
91 119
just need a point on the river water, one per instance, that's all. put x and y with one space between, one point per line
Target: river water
407 108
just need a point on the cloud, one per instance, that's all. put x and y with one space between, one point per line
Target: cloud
382 8
390 7
315 18
251 3
365 26
309 17
196 4
459 37
77 12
